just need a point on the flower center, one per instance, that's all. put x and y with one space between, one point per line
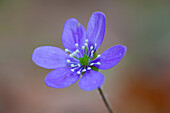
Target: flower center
83 58
84 61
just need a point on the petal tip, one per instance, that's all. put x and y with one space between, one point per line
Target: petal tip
72 20
96 28
91 81
112 56
49 57
122 47
99 13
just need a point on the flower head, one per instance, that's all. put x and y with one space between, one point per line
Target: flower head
80 55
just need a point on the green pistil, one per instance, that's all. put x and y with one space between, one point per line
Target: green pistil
84 60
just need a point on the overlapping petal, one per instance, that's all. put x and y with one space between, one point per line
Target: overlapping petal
50 57
61 78
111 56
96 28
91 80
73 33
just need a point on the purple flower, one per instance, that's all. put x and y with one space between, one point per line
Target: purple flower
82 58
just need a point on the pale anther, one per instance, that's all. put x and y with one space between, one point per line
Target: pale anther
86 44
79 65
98 63
77 51
89 68
71 55
84 70
91 47
91 64
68 61
92 51
98 55
78 72
74 53
76 45
72 65
72 70
86 40
95 44
66 50
83 47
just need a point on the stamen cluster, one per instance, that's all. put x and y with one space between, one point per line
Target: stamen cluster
83 58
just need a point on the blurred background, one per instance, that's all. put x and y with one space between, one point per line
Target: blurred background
140 83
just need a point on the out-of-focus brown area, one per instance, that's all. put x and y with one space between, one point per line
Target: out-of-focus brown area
140 83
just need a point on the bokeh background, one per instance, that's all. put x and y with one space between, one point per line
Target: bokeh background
140 83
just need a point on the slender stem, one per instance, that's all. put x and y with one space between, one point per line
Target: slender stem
105 100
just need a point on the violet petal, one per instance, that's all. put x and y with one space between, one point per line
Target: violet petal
91 80
61 77
96 28
73 33
50 57
111 56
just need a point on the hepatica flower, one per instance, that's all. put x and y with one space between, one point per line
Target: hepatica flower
80 59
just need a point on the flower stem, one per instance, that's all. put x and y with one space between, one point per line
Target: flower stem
105 100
